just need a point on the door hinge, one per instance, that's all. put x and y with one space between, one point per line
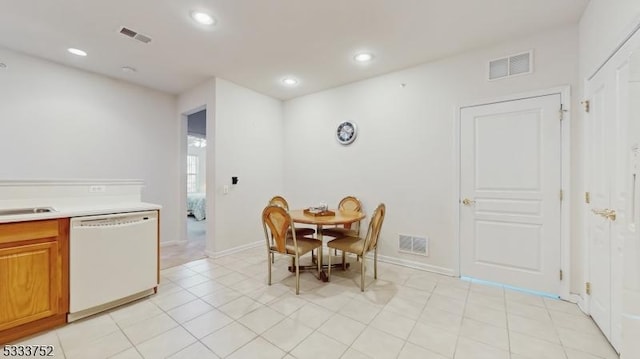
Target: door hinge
561 274
587 288
561 195
587 105
587 197
562 111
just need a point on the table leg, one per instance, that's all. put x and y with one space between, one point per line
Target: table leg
322 275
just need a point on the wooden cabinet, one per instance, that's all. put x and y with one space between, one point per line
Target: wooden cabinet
34 277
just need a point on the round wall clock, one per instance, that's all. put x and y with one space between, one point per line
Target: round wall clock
346 132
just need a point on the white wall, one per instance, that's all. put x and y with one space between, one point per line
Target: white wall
58 122
248 144
604 24
404 154
244 139
196 99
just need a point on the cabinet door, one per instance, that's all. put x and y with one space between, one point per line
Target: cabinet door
29 285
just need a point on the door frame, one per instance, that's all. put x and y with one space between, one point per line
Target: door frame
184 126
565 224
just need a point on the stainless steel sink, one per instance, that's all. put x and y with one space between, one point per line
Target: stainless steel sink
16 211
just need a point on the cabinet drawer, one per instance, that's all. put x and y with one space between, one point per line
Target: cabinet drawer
24 231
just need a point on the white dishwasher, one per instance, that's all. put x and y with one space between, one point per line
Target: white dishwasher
113 259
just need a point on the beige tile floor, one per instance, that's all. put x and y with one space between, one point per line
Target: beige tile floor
222 308
177 254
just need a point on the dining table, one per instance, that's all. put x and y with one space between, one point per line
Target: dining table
333 217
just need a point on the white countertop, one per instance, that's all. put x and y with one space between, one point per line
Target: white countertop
80 210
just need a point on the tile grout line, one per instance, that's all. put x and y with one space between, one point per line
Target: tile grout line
466 302
506 313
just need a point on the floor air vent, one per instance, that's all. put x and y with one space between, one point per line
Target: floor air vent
413 245
135 35
519 64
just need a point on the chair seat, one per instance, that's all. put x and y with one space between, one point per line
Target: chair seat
305 232
349 244
339 232
304 245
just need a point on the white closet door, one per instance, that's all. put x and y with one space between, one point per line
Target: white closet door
510 193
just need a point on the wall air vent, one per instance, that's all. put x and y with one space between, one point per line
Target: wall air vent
518 64
135 35
413 245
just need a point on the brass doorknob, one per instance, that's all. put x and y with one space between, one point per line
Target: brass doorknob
607 213
468 202
610 214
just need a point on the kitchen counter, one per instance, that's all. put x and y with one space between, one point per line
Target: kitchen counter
78 210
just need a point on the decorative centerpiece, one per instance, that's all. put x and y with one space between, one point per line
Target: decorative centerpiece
318 211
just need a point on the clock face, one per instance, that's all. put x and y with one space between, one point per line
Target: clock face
346 132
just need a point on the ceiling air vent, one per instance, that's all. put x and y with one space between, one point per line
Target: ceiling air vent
519 64
135 35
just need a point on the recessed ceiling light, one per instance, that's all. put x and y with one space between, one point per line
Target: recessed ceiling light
129 69
203 18
363 57
77 51
290 81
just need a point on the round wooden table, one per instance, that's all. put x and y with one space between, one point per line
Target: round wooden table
340 217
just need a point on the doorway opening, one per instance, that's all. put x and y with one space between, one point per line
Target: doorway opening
194 163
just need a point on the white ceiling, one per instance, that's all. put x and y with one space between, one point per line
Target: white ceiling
255 43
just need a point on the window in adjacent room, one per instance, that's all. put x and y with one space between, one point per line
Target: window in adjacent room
193 164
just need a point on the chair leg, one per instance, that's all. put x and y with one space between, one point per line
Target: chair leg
269 264
362 274
297 260
375 263
273 258
344 260
329 267
319 266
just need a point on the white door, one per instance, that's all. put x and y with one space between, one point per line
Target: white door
631 282
510 182
599 237
608 160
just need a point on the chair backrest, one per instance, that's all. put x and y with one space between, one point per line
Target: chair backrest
279 201
351 203
277 223
373 233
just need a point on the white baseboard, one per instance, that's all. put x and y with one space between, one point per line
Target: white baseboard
582 303
171 243
234 250
415 265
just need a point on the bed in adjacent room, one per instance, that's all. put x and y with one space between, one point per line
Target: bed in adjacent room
196 205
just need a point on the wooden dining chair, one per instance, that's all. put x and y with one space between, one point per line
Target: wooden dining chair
300 232
281 238
360 246
349 203
280 201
